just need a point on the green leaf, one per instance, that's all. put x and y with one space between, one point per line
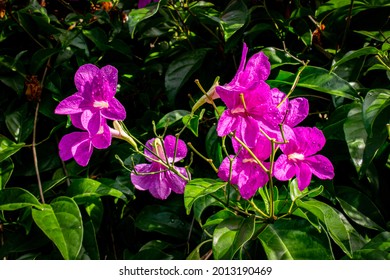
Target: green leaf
40 58
171 117
17 198
6 169
354 54
98 37
84 189
192 122
355 135
180 70
89 240
321 80
295 240
152 250
162 219
338 227
214 146
195 254
8 148
233 18
198 188
62 223
230 235
334 126
20 123
138 15
377 249
360 208
279 57
218 217
375 109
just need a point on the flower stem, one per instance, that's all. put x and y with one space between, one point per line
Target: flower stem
208 160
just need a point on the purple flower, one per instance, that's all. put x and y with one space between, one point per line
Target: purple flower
299 158
79 145
94 99
247 97
143 3
155 176
246 173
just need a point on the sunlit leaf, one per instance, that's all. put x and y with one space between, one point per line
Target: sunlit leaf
198 188
16 198
61 222
6 169
8 148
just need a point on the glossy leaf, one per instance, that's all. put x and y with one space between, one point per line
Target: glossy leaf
338 227
376 110
192 122
321 80
279 57
359 208
62 223
82 189
377 248
180 70
8 148
214 146
233 18
89 240
138 15
40 58
295 239
355 135
171 117
17 198
230 235
195 254
162 219
20 123
198 188
6 169
354 54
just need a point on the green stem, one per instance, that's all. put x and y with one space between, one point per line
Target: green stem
208 160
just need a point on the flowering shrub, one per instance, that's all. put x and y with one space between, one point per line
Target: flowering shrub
110 150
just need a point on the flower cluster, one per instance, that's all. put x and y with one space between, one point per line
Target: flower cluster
258 117
89 109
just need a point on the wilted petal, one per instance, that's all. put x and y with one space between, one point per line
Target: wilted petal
321 166
303 175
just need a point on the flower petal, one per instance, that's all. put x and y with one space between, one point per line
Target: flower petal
251 178
109 74
70 105
84 77
304 173
102 140
283 169
298 111
321 166
224 170
91 121
67 143
115 110
227 123
174 151
309 140
174 182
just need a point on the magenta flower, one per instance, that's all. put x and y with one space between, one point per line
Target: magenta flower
155 176
299 158
143 3
247 98
94 99
79 145
246 173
